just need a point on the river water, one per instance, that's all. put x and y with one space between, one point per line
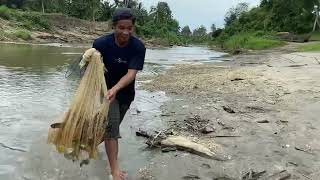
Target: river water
34 92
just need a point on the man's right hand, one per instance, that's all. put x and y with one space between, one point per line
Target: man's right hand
111 94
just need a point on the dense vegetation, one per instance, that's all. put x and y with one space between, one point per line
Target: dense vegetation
25 21
244 28
156 23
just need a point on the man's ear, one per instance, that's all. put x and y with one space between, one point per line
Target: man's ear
112 25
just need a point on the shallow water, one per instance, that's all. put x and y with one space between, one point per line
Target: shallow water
34 92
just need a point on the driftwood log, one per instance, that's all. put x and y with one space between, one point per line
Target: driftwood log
168 142
182 143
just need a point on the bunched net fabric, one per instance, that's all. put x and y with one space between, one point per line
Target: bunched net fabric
81 129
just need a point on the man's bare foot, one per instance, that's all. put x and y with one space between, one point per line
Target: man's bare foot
119 175
123 174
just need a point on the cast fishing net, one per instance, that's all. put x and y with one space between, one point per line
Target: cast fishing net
81 129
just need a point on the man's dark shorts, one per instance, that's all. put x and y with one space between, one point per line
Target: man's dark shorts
116 114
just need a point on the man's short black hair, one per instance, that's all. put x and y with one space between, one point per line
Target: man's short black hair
123 14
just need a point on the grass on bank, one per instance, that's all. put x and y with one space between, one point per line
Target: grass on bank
25 19
315 36
250 41
310 47
15 34
22 34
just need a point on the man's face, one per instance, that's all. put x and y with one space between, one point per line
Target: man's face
123 30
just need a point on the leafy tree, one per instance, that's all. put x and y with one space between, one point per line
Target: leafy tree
161 13
13 3
272 15
217 33
159 22
95 8
201 31
106 10
213 28
234 13
85 9
186 31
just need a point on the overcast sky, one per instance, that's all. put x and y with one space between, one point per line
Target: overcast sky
199 12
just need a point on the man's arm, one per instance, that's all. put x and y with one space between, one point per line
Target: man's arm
123 82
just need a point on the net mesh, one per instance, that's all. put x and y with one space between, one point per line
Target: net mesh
82 127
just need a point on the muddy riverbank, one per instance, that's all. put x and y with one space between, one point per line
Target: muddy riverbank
262 109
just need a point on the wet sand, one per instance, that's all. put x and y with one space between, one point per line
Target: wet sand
269 99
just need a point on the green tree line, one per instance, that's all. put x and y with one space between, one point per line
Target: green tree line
256 28
156 23
296 16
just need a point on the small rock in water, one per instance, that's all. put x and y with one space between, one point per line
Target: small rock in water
237 79
199 108
206 166
207 130
222 178
142 134
263 121
190 177
228 109
168 149
252 175
84 162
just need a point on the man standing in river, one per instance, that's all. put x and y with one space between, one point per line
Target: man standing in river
123 56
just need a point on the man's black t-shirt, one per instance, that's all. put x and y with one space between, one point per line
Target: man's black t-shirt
118 60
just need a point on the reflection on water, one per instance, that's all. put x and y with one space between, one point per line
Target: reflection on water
181 55
34 92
